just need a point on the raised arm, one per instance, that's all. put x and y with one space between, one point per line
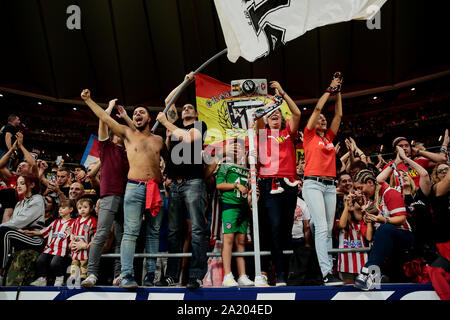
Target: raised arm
336 122
317 111
334 87
387 172
102 127
443 187
183 135
42 165
93 178
435 157
117 128
8 140
345 216
167 119
4 171
358 151
295 119
424 182
172 114
123 115
28 157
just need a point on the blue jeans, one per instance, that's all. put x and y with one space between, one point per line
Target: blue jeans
110 208
134 208
321 202
189 195
388 238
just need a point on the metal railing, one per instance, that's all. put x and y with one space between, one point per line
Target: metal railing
219 254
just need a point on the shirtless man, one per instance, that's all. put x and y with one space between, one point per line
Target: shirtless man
141 193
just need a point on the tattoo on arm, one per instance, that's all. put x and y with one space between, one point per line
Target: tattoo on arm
171 114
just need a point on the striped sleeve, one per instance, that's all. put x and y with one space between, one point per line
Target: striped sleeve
394 203
45 231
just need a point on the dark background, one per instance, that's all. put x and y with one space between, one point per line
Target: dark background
139 50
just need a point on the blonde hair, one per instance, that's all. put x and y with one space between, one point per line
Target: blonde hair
434 177
86 200
393 181
365 175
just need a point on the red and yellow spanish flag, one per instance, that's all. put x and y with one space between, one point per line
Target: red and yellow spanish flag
216 107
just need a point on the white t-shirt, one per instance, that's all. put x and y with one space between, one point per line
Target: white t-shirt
301 214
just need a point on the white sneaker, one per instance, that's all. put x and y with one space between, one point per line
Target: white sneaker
59 281
39 282
90 281
244 281
261 281
277 190
116 282
228 281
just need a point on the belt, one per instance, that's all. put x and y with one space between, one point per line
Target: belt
137 182
322 180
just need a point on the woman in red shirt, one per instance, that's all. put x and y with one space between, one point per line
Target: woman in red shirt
319 186
277 162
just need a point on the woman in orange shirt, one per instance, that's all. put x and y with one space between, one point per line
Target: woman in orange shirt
319 186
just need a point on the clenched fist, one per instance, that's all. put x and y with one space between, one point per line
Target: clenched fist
85 94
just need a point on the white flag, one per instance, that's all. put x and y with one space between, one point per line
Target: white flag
255 28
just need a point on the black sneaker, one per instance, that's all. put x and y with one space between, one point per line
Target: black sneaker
149 279
166 282
331 280
194 283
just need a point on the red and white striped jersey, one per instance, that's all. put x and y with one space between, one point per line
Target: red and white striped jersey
392 205
83 230
58 237
351 237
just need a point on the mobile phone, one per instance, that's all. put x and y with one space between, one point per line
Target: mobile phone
58 160
51 177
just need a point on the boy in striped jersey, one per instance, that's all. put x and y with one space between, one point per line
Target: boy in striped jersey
83 233
56 251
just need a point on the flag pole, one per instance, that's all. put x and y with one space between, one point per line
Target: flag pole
252 116
252 149
186 83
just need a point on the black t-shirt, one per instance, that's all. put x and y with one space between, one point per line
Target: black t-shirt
11 129
419 217
8 200
185 159
441 216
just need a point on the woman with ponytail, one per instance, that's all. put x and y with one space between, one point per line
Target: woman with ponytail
385 212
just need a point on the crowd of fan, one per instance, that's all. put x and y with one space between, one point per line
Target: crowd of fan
56 207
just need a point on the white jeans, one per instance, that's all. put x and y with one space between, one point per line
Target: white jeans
321 202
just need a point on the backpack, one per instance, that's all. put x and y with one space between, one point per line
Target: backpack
304 269
21 269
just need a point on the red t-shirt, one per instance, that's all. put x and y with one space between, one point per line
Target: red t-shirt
320 155
277 158
423 162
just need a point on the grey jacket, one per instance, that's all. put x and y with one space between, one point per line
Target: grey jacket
28 214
